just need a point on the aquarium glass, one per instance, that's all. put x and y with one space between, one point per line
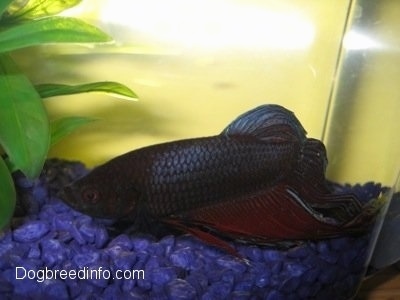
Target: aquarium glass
197 65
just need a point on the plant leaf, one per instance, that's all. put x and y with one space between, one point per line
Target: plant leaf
3 6
50 30
50 90
24 128
10 165
34 9
64 126
7 195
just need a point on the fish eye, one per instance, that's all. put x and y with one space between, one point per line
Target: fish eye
90 196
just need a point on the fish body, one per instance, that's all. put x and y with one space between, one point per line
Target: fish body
174 177
261 180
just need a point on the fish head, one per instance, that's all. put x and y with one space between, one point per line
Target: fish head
102 196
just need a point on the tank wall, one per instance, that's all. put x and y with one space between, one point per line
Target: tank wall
362 133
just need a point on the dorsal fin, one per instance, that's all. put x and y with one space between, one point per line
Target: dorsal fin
267 122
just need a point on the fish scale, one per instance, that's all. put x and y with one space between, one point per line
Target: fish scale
206 175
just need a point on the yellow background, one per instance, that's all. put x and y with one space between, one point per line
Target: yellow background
197 65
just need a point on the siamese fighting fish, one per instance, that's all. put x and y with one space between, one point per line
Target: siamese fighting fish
259 181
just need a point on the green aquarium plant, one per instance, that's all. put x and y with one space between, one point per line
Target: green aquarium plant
26 133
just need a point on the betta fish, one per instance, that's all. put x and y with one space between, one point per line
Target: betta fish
261 181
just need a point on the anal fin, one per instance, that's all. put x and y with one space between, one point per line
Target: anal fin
277 215
206 237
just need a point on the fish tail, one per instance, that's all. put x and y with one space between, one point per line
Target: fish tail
309 172
368 214
339 207
311 186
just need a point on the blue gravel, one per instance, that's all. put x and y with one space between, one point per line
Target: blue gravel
47 235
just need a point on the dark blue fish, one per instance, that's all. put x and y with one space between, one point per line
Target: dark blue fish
261 181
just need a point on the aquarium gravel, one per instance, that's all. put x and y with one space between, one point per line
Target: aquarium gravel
48 236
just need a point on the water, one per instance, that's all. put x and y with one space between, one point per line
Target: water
194 78
190 85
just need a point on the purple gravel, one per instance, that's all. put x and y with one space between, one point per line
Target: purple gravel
30 232
48 234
